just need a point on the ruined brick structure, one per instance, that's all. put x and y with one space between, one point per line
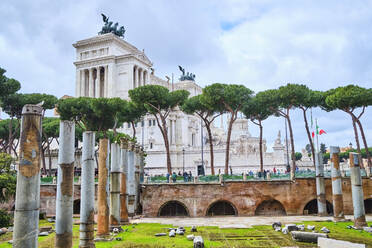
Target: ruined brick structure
244 198
241 198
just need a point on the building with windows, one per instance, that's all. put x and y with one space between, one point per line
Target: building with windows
108 66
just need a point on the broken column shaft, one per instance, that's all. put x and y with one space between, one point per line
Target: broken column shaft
320 187
87 192
357 191
137 177
103 190
338 205
65 184
26 215
123 183
115 186
131 179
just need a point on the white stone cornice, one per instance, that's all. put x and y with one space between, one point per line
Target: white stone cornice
94 62
104 38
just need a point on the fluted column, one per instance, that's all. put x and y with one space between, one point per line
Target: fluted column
98 82
82 83
90 87
77 83
105 82
139 77
134 77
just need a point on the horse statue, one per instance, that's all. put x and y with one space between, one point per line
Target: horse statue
108 28
188 76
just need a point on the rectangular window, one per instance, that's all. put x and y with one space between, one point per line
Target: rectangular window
149 123
128 124
142 123
151 145
153 122
135 125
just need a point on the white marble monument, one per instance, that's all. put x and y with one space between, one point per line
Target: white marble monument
108 66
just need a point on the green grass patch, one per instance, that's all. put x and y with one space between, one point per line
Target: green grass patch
142 236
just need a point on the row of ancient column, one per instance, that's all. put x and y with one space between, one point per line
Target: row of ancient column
140 77
337 198
126 163
92 82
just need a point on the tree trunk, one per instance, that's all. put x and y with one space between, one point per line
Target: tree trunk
261 155
134 129
166 143
353 119
293 157
207 125
10 138
309 135
228 143
364 142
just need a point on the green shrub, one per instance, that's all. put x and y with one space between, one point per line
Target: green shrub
5 218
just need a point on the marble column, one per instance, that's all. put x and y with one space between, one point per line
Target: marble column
357 191
139 79
144 78
134 77
78 81
90 83
82 83
98 82
338 205
110 80
105 93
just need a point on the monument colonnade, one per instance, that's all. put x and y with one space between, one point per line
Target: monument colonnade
140 76
93 81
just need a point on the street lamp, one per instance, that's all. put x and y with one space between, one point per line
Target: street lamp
183 159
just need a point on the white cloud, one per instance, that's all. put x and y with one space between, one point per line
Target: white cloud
260 43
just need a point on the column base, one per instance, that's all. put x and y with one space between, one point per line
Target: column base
339 219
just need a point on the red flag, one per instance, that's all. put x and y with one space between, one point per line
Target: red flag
321 131
312 134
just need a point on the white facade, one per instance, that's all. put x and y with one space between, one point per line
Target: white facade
108 66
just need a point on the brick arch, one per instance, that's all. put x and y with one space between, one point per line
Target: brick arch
176 203
279 208
314 201
368 205
221 201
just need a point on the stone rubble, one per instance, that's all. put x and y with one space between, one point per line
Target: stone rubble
190 237
160 234
311 228
172 233
275 225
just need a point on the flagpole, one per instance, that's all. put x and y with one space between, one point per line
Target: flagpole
317 139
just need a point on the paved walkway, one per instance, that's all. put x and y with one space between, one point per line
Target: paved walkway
236 222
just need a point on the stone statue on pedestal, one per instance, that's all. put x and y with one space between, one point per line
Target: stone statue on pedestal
187 76
108 28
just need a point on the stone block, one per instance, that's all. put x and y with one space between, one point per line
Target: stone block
334 243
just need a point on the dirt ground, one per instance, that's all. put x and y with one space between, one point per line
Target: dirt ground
237 222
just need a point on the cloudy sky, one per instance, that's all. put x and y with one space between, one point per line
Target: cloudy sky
262 44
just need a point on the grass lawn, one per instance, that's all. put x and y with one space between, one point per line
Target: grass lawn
142 236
